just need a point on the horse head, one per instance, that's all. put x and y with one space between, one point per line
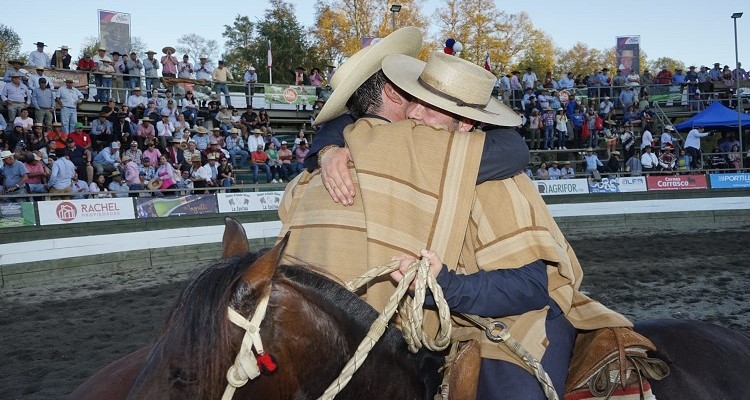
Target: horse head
311 328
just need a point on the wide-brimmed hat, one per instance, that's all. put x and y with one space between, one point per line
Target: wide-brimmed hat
201 129
195 158
170 48
234 130
126 157
154 184
146 119
256 130
5 154
40 44
114 174
365 63
106 59
150 52
451 84
211 156
14 61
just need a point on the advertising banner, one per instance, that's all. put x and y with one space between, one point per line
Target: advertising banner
628 54
85 210
17 214
289 94
619 185
730 181
249 201
676 182
562 186
194 204
114 31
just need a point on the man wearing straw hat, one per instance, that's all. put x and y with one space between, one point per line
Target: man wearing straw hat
425 177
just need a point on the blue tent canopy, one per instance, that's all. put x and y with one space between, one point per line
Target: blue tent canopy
716 115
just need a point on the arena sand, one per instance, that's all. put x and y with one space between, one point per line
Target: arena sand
53 336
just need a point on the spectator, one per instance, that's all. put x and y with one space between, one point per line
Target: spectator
285 156
86 64
35 76
108 77
548 119
249 119
237 122
132 174
108 159
101 131
235 146
221 76
300 153
57 135
667 158
647 139
316 79
683 162
165 129
15 68
727 77
554 171
717 160
529 79
739 73
613 163
35 140
122 129
542 172
133 66
259 160
134 153
147 169
15 95
137 102
118 185
215 147
649 162
256 139
175 155
198 175
185 68
80 157
577 120
39 57
225 173
633 164
151 71
592 161
151 152
264 121
145 131
168 62
678 78
224 120
274 162
78 188
567 171
735 157
167 174
98 187
191 151
14 175
627 138
201 138
203 70
610 138
69 98
43 100
693 146
190 108
664 77
212 170
535 125
24 121
628 98
60 58
37 174
561 127
61 177
606 107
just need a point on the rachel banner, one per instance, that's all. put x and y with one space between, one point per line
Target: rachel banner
85 210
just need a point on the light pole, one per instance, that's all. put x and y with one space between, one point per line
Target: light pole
395 8
736 16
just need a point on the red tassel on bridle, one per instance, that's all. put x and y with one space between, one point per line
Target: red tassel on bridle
266 363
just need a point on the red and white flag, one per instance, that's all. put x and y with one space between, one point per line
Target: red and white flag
270 56
487 61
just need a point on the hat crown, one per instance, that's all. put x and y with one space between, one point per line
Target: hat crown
457 79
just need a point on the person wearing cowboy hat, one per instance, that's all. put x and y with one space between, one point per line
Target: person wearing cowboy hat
15 95
68 98
667 158
203 70
221 76
15 68
107 71
168 62
43 100
151 71
61 58
132 172
35 75
131 69
250 77
567 171
15 175
38 56
456 94
118 185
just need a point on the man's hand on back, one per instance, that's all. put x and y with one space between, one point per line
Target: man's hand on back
336 176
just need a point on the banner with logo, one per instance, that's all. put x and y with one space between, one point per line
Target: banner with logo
290 94
730 181
553 187
676 182
628 54
249 201
114 31
619 185
85 210
194 204
17 214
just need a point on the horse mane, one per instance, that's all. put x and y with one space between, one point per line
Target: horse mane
200 343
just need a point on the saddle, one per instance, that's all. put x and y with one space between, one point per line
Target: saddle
461 372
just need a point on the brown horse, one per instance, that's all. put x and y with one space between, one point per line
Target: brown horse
313 326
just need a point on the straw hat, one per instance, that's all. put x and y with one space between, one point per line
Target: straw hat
451 84
154 184
365 63
195 158
201 129
170 48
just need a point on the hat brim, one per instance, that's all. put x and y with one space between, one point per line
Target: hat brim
364 64
154 184
164 49
404 72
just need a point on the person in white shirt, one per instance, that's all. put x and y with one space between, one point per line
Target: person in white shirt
529 79
185 68
647 139
203 69
649 160
165 129
693 146
36 75
667 137
255 140
39 57
137 102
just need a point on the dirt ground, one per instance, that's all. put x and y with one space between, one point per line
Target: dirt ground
53 336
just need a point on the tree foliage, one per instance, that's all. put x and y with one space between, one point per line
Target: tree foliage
247 43
10 45
340 25
656 65
196 45
580 59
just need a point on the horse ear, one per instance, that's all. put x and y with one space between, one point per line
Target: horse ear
234 242
262 270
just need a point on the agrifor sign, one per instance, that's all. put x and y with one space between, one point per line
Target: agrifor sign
553 187
84 210
676 182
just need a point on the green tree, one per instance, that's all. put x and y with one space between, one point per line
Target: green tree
671 64
239 44
10 45
195 46
580 59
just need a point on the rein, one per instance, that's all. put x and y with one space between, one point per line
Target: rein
248 366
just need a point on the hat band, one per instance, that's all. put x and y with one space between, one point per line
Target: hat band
446 96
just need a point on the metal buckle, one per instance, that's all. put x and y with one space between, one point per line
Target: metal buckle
490 331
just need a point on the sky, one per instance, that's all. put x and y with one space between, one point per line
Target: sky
692 32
